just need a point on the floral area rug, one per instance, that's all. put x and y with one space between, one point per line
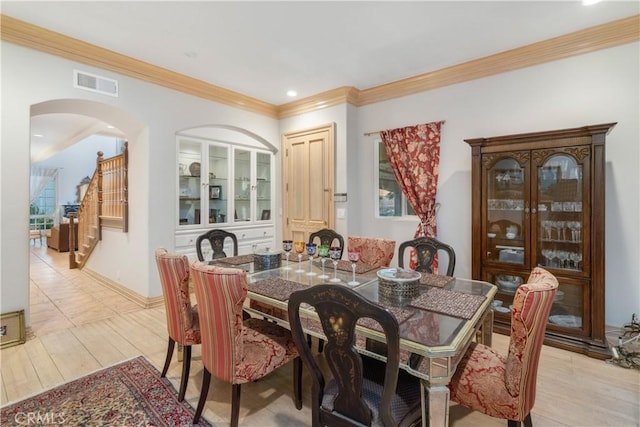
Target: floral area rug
128 394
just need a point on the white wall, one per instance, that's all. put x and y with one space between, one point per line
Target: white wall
600 87
30 77
76 162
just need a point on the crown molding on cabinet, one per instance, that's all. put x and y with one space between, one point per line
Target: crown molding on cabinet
603 36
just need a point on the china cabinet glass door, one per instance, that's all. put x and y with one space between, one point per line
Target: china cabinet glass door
506 227
561 245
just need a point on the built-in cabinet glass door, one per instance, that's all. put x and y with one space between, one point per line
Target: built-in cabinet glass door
506 224
242 185
203 185
218 188
263 187
189 181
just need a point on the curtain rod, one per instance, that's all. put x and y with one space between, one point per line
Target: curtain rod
378 131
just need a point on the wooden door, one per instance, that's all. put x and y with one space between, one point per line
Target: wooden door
308 182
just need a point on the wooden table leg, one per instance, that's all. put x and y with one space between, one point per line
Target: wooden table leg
435 405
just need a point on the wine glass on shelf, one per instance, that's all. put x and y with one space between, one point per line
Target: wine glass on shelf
323 253
354 256
334 254
287 245
311 251
299 247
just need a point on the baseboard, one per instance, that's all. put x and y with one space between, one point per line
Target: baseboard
142 301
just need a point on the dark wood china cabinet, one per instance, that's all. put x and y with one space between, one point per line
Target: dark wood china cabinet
538 199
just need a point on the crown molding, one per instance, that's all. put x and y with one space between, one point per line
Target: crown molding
603 36
38 38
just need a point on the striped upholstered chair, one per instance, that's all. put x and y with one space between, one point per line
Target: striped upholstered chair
374 251
182 317
233 351
505 388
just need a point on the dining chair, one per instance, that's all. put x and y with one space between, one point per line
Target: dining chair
216 239
426 249
234 351
387 396
505 387
374 251
327 236
182 317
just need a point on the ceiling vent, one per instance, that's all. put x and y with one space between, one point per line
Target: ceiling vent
93 83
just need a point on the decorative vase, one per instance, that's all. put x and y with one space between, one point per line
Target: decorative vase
194 168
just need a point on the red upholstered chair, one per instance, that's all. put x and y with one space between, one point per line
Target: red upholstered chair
234 351
182 318
373 251
505 387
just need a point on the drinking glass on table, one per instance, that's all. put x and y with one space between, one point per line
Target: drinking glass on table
334 254
311 251
287 245
354 256
323 253
299 247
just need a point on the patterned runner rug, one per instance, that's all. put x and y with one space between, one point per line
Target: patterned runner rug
128 394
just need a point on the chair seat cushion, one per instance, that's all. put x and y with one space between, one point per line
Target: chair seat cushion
406 406
479 384
265 347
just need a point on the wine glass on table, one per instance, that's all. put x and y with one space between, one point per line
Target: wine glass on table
299 247
311 251
354 256
287 245
334 254
323 253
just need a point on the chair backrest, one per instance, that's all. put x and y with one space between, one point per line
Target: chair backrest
338 309
220 293
216 239
327 236
426 250
531 306
374 251
174 277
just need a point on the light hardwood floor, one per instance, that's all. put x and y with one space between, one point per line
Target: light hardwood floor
79 326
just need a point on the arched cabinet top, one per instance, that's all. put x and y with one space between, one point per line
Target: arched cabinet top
228 134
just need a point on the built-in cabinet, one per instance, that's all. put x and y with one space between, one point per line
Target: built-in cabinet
224 185
538 200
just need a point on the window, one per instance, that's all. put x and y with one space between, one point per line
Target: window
390 201
43 208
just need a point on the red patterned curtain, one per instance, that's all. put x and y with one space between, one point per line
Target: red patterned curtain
414 154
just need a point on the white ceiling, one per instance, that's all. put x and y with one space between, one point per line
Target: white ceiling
262 49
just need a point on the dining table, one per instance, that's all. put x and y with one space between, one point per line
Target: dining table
437 322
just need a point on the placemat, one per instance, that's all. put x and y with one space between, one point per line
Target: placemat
447 302
345 265
435 280
293 257
236 260
276 288
401 314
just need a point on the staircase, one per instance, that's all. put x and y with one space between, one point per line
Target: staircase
105 204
